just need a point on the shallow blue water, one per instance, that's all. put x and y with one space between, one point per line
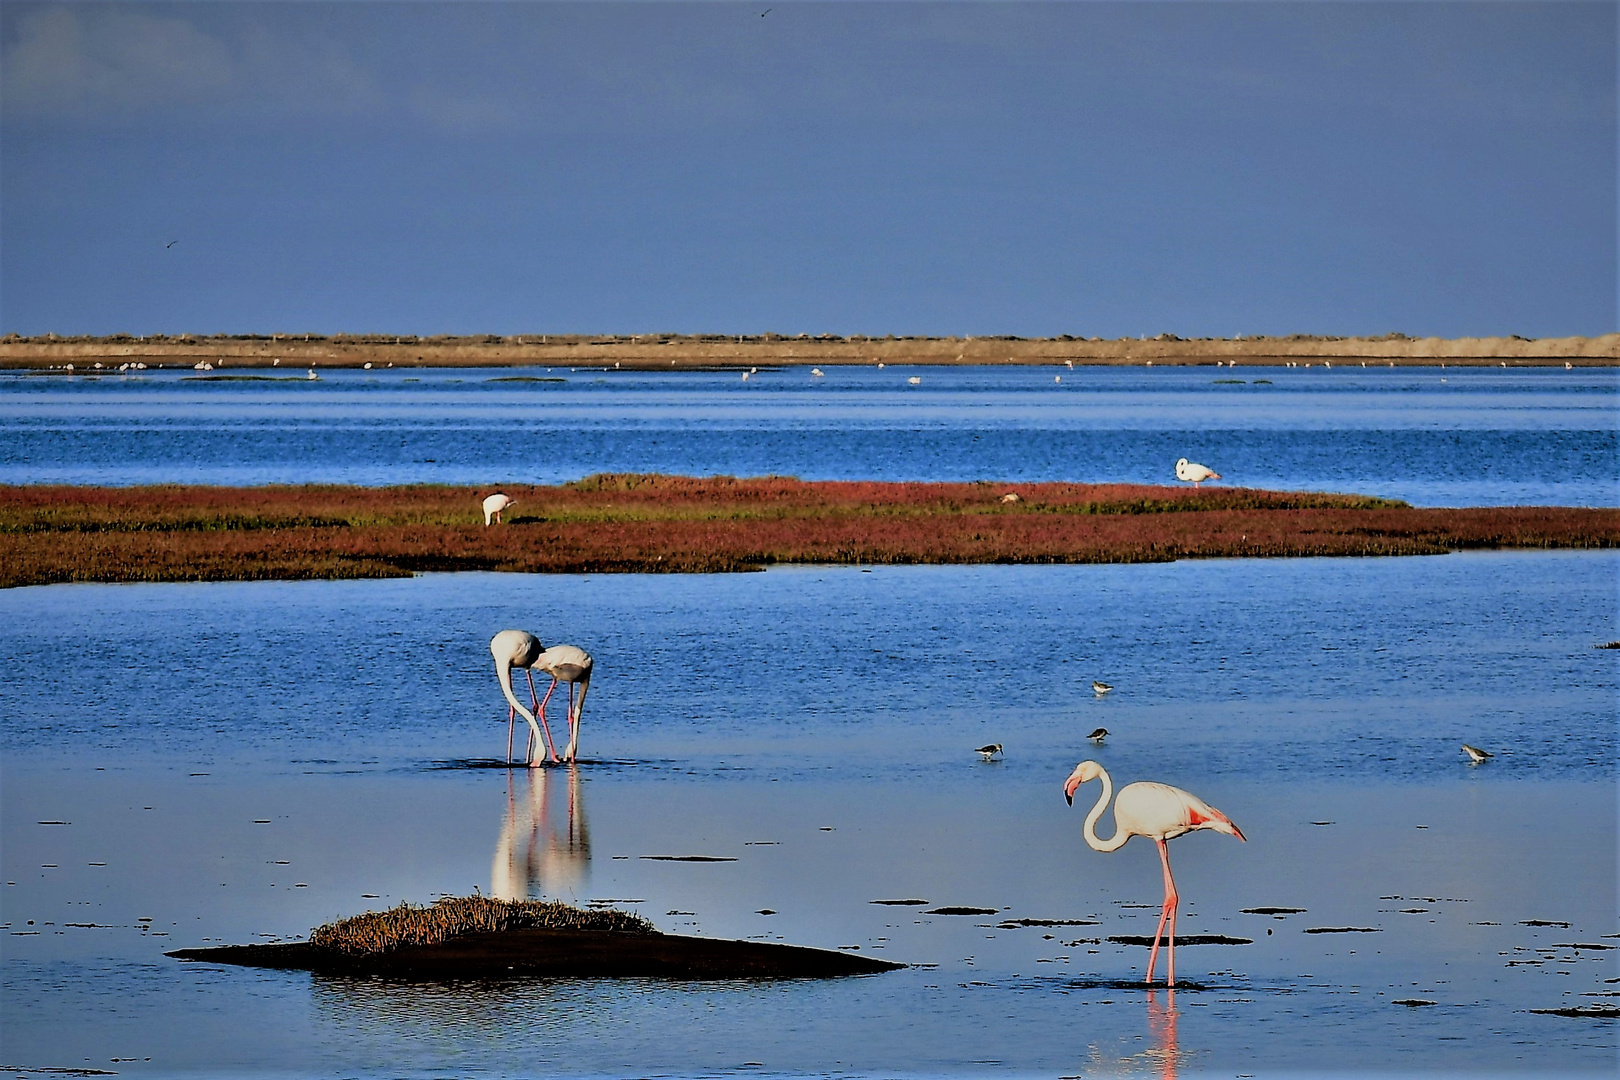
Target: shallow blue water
1366 669
1432 436
246 760
242 761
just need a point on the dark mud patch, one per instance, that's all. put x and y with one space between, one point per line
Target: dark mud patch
1013 924
1190 939
1602 1012
960 911
1344 930
899 903
455 764
557 954
1414 1003
1101 983
1544 922
1583 945
1273 910
689 858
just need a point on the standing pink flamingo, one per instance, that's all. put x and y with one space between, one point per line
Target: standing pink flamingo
1160 813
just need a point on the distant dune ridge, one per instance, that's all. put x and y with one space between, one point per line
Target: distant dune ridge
696 351
667 524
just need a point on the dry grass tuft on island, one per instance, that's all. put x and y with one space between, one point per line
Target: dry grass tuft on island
637 523
480 937
456 916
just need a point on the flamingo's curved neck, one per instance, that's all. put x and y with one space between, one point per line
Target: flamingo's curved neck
503 671
1115 842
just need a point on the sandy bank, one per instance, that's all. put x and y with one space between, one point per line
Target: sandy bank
664 351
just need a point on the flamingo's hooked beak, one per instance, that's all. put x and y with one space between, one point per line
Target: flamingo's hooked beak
1068 789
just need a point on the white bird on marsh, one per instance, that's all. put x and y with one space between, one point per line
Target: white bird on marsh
1194 472
1098 736
989 750
1100 688
1476 756
816 373
494 505
1160 813
915 380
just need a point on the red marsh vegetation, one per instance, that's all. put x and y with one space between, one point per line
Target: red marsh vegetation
638 523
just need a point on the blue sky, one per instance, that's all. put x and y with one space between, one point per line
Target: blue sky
1101 168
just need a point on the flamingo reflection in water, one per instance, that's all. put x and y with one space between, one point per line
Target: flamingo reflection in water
1162 1031
544 846
1161 1056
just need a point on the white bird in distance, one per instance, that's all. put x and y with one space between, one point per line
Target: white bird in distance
1194 472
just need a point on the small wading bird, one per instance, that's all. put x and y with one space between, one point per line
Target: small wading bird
989 751
1160 813
1191 470
494 506
564 663
1100 688
1098 736
1476 756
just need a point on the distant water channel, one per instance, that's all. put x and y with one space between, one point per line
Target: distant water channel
1432 436
189 764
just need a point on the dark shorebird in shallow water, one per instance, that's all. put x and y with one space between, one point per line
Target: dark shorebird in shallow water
989 751
1476 756
1098 736
1101 688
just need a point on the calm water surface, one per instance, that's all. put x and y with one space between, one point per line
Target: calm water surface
1432 436
238 762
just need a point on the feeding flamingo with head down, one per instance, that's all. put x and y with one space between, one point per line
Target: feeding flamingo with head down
564 663
494 506
1160 813
519 648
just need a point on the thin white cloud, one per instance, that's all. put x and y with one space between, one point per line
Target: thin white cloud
98 63
455 112
65 61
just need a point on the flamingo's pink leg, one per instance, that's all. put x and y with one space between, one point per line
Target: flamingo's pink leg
573 724
511 717
1164 912
1167 914
540 711
1153 954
